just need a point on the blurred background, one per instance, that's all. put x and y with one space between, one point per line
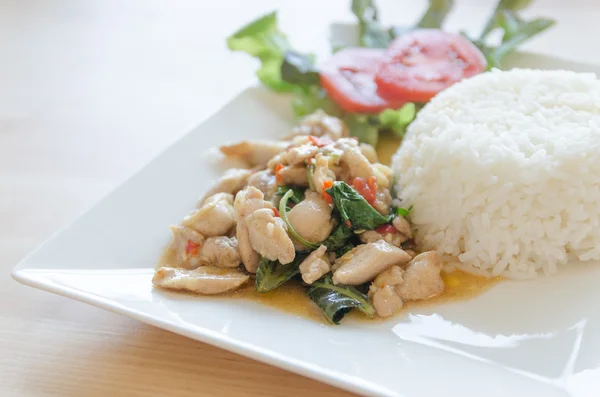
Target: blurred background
92 90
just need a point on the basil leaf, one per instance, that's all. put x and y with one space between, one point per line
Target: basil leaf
337 300
354 210
262 39
338 238
345 248
296 197
272 274
403 212
398 120
436 14
371 33
299 69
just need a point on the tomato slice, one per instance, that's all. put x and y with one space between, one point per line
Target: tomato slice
349 80
419 64
367 189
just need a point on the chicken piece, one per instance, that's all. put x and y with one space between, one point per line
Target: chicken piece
268 236
265 182
402 225
411 253
392 276
220 252
215 217
369 152
370 236
315 265
385 301
293 175
204 280
322 172
311 218
422 279
246 202
359 166
385 171
383 201
186 246
232 181
254 153
366 261
382 291
295 155
320 124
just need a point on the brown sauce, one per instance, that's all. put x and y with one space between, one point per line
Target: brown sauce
291 297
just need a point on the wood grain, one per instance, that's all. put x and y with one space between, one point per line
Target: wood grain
89 92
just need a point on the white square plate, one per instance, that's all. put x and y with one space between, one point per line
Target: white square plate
536 338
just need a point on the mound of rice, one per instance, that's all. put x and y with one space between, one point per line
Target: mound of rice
503 171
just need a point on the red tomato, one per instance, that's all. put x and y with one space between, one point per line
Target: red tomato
366 189
349 80
386 229
418 65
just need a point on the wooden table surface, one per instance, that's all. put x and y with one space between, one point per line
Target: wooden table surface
92 90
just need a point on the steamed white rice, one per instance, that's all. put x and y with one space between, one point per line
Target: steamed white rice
503 171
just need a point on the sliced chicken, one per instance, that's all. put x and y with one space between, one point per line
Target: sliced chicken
385 300
358 165
422 279
268 236
311 218
366 261
204 280
232 181
383 201
382 291
246 202
402 225
265 182
214 218
320 124
220 252
316 265
293 175
369 152
254 153
322 172
186 246
295 155
394 238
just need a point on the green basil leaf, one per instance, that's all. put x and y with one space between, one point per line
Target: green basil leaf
338 238
354 210
272 274
337 300
296 197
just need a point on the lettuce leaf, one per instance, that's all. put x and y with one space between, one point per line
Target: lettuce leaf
371 33
262 39
436 14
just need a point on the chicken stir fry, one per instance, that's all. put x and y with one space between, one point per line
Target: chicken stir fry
316 207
